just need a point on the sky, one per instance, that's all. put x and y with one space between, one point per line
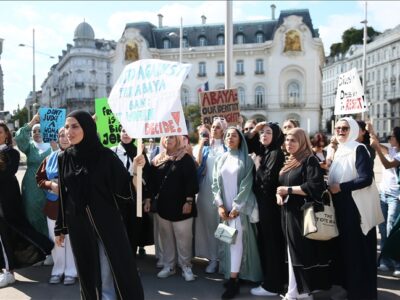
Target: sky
55 21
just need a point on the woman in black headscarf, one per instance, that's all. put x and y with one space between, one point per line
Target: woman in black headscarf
266 141
93 182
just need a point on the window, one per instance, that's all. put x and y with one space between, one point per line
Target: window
293 93
220 40
259 38
202 69
259 96
185 96
220 68
185 43
259 66
239 67
378 110
240 39
202 41
385 73
166 44
241 95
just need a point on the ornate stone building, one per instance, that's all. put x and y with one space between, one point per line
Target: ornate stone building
383 80
277 64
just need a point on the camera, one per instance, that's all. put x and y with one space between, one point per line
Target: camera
206 136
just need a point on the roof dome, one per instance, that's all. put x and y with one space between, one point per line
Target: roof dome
84 31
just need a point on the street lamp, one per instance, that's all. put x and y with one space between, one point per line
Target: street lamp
180 40
34 100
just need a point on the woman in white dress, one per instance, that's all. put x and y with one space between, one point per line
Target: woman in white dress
209 148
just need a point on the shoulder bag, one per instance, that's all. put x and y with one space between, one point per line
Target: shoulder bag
225 233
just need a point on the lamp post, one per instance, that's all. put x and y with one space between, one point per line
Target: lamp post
364 64
180 40
34 99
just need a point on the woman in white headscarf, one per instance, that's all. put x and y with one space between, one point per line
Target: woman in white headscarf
350 174
33 197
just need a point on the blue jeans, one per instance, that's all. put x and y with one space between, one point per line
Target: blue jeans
390 205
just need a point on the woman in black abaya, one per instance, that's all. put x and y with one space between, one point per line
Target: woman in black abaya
93 182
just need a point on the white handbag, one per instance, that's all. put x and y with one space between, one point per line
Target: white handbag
225 233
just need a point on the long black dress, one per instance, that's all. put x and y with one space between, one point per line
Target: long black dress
355 259
311 259
23 245
270 237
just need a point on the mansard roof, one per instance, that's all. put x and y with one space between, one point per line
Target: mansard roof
156 35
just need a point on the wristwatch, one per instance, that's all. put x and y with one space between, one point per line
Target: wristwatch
289 190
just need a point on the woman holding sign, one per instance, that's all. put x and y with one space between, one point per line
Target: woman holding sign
93 182
36 151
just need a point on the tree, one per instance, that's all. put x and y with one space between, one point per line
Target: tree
352 36
193 119
21 115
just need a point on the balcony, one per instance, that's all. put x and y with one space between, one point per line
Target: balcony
219 74
261 72
292 105
79 84
253 107
201 74
239 73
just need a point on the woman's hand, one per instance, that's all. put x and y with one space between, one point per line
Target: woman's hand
334 188
147 205
187 208
233 214
279 200
54 145
282 191
35 120
222 213
54 187
59 239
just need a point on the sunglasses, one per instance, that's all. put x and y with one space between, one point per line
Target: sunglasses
343 128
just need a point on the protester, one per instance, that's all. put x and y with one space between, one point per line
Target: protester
93 181
267 139
232 188
364 138
249 125
174 184
289 124
302 181
351 171
140 230
33 197
389 190
20 244
210 147
318 142
47 179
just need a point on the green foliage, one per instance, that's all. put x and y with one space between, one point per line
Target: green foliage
21 115
193 119
352 36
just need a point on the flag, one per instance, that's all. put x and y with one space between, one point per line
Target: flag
203 87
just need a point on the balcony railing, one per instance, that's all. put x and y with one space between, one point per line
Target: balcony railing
292 105
252 106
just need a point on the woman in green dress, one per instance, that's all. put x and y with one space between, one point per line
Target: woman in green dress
36 151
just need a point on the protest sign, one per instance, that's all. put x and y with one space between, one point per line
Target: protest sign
146 98
350 94
51 120
108 126
220 103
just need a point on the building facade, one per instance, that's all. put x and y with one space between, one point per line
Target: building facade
382 91
277 64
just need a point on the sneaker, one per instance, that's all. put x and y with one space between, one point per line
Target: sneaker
212 267
159 264
48 261
166 272
383 268
260 291
6 278
396 273
187 273
69 280
55 279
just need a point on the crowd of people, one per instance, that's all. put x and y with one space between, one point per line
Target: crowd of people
77 207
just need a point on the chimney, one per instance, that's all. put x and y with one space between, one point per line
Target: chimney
203 19
273 7
160 17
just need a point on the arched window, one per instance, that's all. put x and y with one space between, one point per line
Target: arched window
166 43
240 38
185 96
259 96
202 41
220 40
241 95
293 93
259 37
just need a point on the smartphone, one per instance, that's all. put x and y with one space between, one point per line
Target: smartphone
206 136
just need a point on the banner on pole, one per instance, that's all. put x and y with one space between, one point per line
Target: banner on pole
51 120
108 126
220 103
146 98
350 94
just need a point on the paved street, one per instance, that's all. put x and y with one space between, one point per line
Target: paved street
32 282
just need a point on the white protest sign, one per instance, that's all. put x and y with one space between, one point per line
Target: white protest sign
146 98
349 95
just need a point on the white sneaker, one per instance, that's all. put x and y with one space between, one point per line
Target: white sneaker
187 273
212 267
48 261
260 291
166 272
6 278
396 273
